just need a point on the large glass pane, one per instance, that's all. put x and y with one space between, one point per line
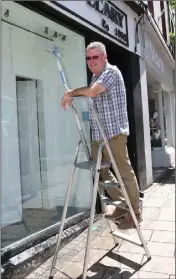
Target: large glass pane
39 138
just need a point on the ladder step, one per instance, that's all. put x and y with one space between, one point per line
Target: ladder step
126 237
109 184
87 165
119 204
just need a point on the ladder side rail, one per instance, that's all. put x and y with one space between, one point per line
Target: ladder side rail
119 177
103 206
81 132
92 213
69 188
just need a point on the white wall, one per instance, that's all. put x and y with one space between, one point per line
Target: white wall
24 54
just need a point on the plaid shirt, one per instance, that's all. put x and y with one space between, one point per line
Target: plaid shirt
111 104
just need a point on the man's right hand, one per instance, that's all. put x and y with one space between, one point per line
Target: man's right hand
66 100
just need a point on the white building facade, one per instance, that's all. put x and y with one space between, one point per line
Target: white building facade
38 137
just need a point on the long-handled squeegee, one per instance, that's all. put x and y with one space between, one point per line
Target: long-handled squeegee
55 51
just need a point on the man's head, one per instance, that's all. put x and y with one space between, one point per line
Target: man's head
96 57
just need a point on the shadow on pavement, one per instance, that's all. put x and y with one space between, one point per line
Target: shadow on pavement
101 271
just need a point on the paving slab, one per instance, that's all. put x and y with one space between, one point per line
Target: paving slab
151 213
95 256
71 270
167 214
163 236
103 242
122 260
155 248
160 265
155 201
158 225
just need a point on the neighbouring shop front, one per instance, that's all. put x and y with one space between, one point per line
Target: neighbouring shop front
161 97
38 137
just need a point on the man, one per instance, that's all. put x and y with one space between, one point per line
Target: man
108 92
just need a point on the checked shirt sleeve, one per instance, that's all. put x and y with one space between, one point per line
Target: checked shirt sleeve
107 78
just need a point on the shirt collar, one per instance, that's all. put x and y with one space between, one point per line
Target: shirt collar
106 65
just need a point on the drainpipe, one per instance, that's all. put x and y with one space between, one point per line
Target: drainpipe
136 33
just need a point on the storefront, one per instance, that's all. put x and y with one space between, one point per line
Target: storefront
115 24
39 138
161 97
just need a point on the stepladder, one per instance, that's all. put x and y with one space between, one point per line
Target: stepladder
99 187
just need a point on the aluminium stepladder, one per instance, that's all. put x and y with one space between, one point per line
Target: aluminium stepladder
95 168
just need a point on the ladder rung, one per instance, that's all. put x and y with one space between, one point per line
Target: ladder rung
109 184
122 204
87 165
119 204
126 237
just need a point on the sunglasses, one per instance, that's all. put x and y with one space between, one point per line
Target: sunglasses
95 57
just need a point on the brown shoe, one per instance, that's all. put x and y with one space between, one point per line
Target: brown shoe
114 212
127 222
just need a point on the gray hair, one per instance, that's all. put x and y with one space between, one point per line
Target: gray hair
99 45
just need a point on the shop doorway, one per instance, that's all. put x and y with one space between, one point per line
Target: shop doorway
29 144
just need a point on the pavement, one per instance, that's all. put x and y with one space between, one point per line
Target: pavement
125 260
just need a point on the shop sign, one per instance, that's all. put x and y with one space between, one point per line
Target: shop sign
112 20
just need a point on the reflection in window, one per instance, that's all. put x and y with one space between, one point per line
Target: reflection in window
155 131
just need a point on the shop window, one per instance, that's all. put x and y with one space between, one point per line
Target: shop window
155 130
40 203
39 138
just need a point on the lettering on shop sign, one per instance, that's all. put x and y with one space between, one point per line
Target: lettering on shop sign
113 21
156 59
